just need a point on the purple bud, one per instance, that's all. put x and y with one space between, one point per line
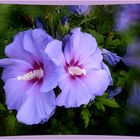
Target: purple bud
64 20
110 57
39 23
114 92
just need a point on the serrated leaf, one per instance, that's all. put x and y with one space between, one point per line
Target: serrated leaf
110 103
101 101
85 114
122 80
99 106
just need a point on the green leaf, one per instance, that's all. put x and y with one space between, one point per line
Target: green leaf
85 114
62 30
101 101
2 107
110 102
122 80
11 124
100 106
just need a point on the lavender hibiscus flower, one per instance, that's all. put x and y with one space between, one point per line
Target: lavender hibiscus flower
83 75
127 15
30 75
133 105
132 57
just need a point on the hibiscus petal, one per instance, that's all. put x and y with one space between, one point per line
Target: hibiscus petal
41 38
74 93
16 49
79 45
105 67
13 68
97 82
38 107
54 51
51 75
36 40
29 44
93 61
15 93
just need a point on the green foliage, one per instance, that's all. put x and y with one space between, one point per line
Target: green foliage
101 101
85 114
122 80
11 124
2 107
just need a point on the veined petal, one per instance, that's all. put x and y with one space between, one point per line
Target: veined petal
105 67
74 93
15 93
30 45
38 107
97 82
93 61
41 38
51 75
54 51
13 68
35 41
79 45
16 49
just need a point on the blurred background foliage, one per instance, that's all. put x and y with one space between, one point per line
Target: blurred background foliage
103 116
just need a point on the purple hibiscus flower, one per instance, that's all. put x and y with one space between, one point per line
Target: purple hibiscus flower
132 57
126 16
110 57
79 9
30 75
133 105
83 75
134 98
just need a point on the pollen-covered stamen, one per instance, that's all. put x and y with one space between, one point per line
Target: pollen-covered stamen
38 73
74 70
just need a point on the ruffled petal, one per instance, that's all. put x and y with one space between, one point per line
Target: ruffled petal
36 40
78 45
38 107
41 38
105 67
51 75
93 61
15 93
74 93
54 51
13 68
16 49
97 81
30 45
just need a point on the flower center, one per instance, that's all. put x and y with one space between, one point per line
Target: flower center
38 73
76 71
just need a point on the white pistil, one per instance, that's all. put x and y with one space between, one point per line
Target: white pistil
72 70
31 75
